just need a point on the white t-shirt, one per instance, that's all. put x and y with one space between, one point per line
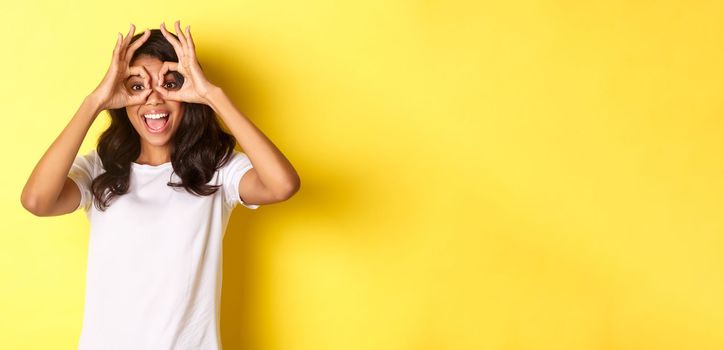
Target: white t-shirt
153 278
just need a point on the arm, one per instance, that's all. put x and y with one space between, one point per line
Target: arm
49 191
50 175
273 178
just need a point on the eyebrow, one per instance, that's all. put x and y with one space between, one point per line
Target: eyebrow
132 76
139 76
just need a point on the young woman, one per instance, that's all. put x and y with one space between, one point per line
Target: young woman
158 191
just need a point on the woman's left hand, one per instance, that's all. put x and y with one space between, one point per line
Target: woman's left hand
195 87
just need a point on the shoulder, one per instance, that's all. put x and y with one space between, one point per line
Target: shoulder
235 162
232 172
87 160
90 162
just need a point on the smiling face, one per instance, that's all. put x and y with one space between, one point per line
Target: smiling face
156 120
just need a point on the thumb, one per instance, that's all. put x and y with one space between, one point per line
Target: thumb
139 98
166 94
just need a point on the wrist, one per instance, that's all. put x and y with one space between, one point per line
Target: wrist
94 103
211 92
213 96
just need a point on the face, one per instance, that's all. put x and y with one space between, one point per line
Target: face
154 131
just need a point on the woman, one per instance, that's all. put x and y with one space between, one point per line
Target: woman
158 191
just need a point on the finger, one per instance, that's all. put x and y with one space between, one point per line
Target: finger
171 95
180 33
116 49
165 67
141 96
165 94
144 96
174 42
141 72
144 74
161 90
136 44
137 70
190 41
127 39
136 99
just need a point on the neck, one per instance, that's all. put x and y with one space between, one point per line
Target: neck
154 155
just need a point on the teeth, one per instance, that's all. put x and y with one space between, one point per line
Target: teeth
156 116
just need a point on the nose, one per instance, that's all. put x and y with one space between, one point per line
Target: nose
154 97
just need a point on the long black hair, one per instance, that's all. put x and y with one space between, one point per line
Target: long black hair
198 148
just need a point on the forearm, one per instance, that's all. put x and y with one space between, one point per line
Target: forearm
49 175
274 170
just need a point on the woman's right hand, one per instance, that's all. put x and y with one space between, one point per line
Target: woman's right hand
112 93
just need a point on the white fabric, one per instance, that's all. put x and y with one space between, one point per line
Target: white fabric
153 277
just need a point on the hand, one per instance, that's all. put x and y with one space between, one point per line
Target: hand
112 93
196 87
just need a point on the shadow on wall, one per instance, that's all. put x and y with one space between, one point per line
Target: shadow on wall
332 194
245 287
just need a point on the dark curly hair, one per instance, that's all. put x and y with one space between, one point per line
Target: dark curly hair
198 148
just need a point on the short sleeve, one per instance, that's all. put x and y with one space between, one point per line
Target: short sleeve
82 172
232 172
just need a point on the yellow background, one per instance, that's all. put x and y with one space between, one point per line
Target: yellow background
475 174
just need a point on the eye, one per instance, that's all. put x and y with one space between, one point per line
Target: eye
170 85
140 87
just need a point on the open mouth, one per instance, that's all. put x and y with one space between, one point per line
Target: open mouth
156 122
